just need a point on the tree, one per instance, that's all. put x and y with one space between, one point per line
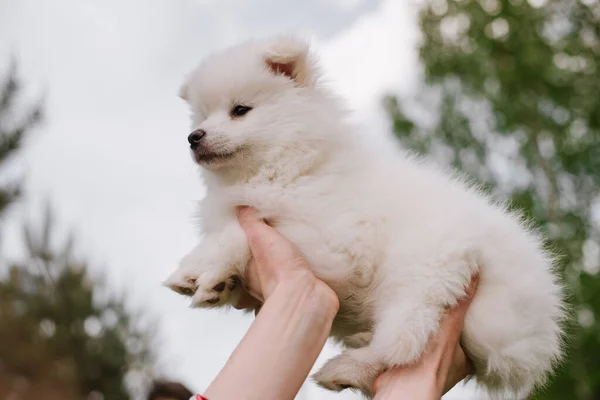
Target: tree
63 334
13 130
516 84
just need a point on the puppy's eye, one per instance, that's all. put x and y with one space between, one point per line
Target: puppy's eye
239 111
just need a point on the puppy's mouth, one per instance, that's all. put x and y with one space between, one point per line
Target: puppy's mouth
212 158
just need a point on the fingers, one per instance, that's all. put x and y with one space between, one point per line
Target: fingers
464 302
459 369
446 343
453 320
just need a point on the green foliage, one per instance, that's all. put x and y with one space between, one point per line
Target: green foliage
517 83
56 328
13 129
63 335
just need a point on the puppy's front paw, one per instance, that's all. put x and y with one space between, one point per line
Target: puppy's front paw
206 290
349 370
214 292
208 287
182 282
208 274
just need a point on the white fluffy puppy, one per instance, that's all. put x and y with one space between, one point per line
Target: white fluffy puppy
396 237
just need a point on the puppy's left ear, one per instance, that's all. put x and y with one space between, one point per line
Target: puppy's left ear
184 90
290 56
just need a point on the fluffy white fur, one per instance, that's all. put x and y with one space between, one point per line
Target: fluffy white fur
395 236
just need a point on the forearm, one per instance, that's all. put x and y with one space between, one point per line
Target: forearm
277 353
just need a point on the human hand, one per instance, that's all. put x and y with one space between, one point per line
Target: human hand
442 366
274 260
294 323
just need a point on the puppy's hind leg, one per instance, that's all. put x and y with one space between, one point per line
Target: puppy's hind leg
401 334
358 340
353 369
403 330
400 337
406 321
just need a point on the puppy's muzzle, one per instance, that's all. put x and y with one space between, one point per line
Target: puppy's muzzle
195 138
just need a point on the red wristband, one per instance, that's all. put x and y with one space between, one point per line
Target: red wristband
199 397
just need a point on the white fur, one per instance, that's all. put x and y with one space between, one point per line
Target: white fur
395 236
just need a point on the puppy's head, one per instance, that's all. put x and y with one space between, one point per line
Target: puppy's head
251 100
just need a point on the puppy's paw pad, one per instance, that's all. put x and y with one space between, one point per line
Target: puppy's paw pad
182 285
219 287
186 291
213 293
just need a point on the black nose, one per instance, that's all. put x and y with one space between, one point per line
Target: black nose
195 137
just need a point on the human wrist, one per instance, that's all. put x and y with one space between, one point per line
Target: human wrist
295 321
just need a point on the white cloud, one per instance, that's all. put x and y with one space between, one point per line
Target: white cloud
375 55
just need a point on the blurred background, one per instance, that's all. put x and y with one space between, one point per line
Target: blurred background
97 190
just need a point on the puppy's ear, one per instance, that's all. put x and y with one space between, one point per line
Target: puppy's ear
290 56
183 90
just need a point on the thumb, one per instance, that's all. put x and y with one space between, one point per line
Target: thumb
250 222
260 235
266 244
246 216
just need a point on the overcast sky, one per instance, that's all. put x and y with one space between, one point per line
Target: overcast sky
113 157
